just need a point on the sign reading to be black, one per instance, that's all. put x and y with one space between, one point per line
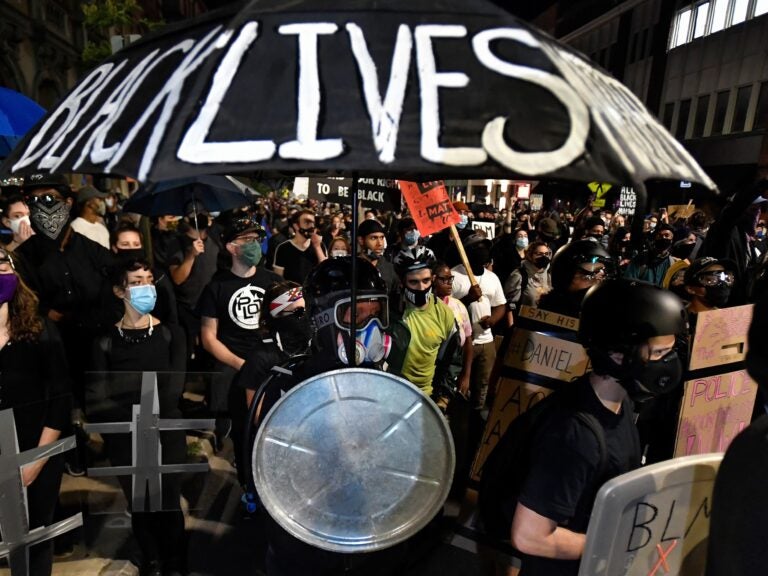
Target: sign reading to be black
379 193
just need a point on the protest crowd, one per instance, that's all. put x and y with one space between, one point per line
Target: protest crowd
88 289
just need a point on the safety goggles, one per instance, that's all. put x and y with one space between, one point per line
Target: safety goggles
716 277
369 308
595 267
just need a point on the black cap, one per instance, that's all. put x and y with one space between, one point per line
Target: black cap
240 226
46 180
367 227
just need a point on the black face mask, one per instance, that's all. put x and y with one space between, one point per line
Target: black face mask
478 258
307 232
683 251
662 244
541 262
717 296
49 216
641 379
293 333
418 298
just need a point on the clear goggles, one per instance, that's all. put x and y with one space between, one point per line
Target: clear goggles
370 308
715 278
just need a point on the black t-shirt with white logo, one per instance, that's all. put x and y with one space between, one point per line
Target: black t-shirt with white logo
236 303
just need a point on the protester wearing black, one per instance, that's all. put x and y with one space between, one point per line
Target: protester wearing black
629 330
285 332
35 385
575 268
231 308
295 258
138 343
327 286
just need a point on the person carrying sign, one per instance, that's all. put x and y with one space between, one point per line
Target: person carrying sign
632 359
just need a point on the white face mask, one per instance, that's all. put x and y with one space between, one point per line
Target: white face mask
338 253
16 223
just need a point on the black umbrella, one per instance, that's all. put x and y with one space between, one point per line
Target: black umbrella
214 193
411 88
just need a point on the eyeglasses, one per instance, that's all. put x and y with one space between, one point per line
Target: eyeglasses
716 277
444 279
6 262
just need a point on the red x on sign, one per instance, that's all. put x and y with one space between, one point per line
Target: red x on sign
662 558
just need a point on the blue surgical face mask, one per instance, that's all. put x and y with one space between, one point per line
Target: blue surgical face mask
412 237
521 243
142 298
463 222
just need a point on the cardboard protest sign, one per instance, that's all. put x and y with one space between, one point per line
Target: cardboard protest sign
681 211
547 356
653 521
429 205
513 397
547 317
487 228
715 409
529 355
717 403
537 202
721 337
379 193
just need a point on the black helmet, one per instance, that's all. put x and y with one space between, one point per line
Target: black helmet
412 259
619 314
570 256
327 291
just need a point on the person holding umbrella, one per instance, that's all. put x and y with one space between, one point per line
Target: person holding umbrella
230 309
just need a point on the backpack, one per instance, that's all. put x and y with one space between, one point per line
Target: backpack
507 466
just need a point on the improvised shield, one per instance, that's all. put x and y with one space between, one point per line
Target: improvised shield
353 460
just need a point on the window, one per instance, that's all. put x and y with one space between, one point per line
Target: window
740 112
669 110
718 19
683 23
702 108
705 17
739 11
700 23
721 107
761 114
682 118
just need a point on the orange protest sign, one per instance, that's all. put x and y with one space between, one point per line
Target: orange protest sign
430 205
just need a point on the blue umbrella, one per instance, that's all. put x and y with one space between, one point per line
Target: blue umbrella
17 115
214 193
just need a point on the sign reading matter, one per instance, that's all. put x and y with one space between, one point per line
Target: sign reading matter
379 193
429 205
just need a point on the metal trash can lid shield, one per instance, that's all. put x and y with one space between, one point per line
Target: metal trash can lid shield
353 460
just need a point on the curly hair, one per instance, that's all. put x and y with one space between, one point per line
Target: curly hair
24 321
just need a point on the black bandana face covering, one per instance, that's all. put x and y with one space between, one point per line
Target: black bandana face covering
49 220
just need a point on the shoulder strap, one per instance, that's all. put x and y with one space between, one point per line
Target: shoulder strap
591 422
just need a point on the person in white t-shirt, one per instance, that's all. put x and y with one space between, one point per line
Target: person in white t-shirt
486 304
90 222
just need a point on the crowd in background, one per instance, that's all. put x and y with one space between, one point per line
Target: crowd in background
191 290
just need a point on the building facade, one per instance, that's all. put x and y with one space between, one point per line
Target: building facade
701 66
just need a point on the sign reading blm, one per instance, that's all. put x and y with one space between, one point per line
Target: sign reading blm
653 521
